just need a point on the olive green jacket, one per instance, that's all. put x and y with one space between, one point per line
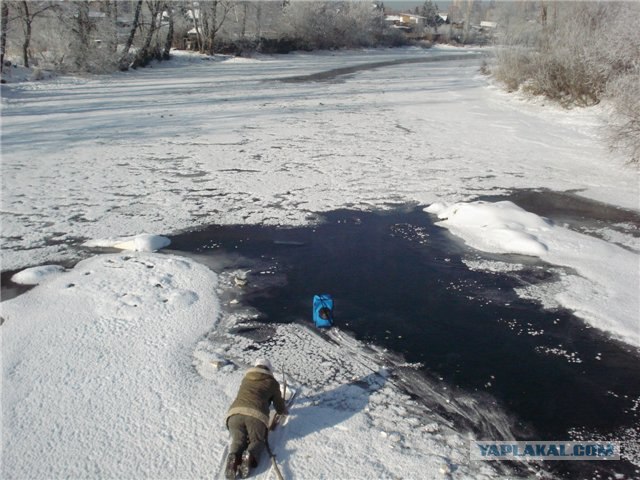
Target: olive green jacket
257 391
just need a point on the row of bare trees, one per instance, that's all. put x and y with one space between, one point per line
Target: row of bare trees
86 35
24 13
101 35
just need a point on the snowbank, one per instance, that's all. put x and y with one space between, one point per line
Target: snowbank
139 243
97 378
15 73
601 281
36 275
499 227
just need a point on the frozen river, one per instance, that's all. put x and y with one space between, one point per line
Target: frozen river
313 171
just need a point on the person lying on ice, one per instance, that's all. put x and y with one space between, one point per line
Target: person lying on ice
248 417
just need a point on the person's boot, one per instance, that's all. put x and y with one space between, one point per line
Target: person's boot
231 467
247 463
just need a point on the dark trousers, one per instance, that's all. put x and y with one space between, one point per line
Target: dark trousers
247 433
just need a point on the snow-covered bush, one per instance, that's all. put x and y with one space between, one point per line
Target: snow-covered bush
513 64
574 53
327 25
624 92
577 53
37 74
312 23
65 51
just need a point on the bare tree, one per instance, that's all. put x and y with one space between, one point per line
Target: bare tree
259 20
27 12
111 7
82 30
214 13
3 36
135 24
243 29
145 53
27 22
169 38
467 21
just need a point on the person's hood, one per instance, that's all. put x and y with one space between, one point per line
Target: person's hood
257 373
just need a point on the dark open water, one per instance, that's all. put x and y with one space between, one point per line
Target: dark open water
399 281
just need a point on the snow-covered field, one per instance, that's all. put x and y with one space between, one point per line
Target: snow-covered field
124 365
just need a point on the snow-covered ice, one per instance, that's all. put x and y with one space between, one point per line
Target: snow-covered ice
193 142
601 282
124 365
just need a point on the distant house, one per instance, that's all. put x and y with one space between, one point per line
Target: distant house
97 16
190 42
409 21
404 21
488 26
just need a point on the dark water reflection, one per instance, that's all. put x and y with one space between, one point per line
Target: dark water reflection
399 281
335 73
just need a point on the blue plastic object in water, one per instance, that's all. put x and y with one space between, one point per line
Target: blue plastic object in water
323 311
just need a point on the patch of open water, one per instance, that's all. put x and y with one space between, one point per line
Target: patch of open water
399 282
336 73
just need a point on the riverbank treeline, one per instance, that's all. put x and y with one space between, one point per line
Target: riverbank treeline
578 54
